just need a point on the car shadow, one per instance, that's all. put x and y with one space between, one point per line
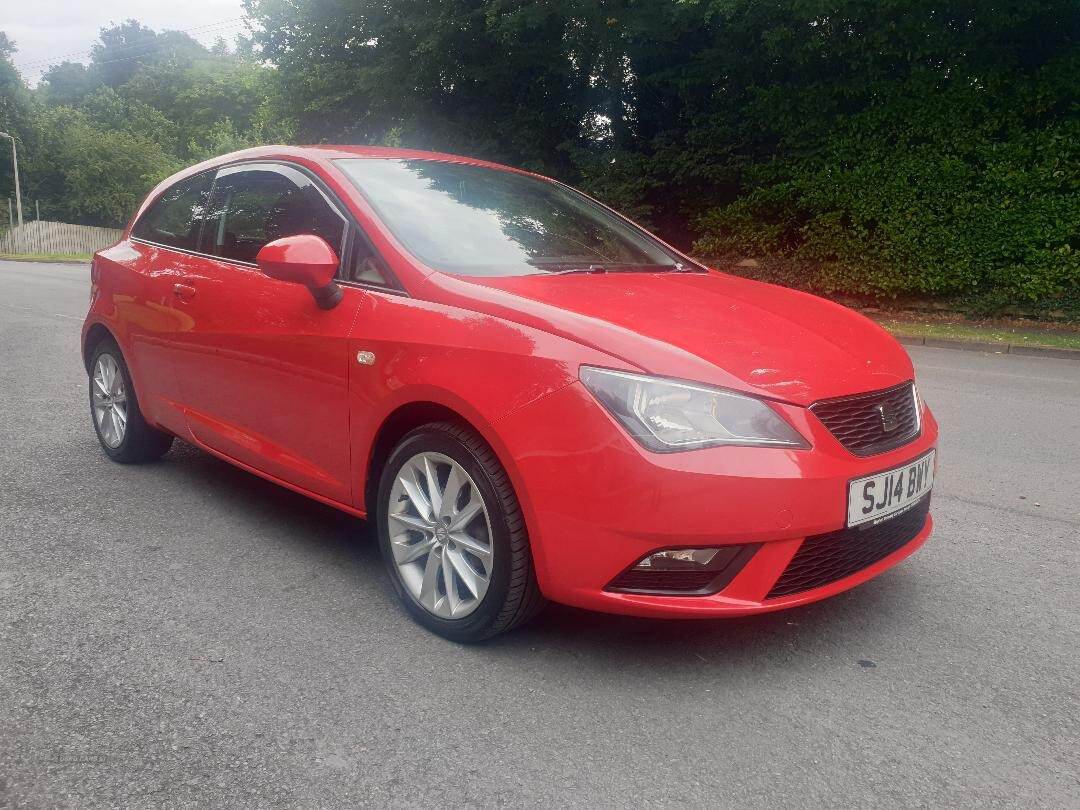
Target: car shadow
728 634
348 545
261 503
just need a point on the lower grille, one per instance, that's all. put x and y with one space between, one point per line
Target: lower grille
826 558
663 581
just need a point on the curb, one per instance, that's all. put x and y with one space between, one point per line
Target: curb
73 262
995 348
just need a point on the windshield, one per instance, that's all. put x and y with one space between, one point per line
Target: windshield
476 221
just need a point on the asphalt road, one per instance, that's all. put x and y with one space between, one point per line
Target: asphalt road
185 634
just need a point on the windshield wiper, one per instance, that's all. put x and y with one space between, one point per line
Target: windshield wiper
567 268
592 268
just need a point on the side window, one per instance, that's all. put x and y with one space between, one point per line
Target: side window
256 204
175 217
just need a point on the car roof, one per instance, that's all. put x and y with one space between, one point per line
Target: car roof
328 152
318 153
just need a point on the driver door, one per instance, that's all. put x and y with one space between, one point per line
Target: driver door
263 371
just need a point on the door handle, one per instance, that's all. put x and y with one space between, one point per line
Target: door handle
183 291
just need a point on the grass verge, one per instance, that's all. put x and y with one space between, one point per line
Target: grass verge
82 258
1018 334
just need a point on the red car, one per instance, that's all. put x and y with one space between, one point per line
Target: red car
530 396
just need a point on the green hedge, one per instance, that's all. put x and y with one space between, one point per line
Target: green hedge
988 217
942 198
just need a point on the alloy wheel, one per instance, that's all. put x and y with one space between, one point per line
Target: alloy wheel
440 535
109 400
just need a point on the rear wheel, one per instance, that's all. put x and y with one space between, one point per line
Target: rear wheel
453 537
123 432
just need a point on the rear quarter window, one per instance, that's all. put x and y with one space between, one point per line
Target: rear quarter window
174 218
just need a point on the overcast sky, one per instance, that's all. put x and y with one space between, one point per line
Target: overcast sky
50 31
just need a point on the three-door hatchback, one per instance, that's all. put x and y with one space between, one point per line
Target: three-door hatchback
529 396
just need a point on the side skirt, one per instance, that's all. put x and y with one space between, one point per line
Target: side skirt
344 507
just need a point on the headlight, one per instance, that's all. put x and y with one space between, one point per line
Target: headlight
665 416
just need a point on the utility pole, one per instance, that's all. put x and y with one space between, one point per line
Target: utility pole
15 170
37 208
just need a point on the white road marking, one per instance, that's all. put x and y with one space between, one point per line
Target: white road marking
39 312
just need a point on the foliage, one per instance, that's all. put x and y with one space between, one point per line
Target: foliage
101 174
879 148
95 138
951 168
885 148
16 110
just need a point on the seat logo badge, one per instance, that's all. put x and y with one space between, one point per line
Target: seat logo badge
365 358
889 422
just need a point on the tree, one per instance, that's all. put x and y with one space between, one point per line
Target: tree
16 113
909 148
121 50
900 147
199 94
97 137
489 78
67 83
93 174
109 110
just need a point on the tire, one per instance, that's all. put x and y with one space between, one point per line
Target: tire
512 595
138 441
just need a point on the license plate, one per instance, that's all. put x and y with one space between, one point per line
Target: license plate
876 497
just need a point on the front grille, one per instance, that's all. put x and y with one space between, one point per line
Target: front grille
825 558
873 423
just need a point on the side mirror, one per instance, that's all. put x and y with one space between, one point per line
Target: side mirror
303 259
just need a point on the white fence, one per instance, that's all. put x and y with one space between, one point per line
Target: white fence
57 237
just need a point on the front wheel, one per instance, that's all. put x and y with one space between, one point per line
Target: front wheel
453 537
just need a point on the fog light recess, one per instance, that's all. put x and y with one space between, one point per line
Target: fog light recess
684 571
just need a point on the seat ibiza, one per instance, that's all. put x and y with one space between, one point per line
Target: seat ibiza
531 397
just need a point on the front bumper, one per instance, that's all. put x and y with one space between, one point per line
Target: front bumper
595 502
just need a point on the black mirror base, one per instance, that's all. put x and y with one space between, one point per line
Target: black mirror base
327 297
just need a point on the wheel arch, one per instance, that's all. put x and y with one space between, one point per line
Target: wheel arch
94 335
426 410
395 425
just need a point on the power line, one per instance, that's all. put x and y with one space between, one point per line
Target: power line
87 51
37 64
124 48
128 58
